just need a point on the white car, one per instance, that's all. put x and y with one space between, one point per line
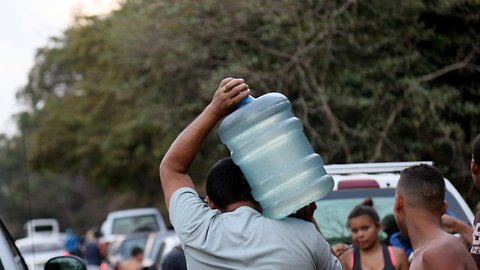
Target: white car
355 182
37 250
10 257
130 221
158 245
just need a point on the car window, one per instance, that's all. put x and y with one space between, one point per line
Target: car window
332 211
128 225
43 228
454 208
157 248
129 244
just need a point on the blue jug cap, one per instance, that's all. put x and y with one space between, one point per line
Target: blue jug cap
244 102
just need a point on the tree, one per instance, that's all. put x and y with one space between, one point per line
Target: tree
370 80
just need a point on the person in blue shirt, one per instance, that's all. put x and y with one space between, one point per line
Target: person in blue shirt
72 243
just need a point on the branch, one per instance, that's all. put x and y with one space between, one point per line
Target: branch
449 68
383 134
257 44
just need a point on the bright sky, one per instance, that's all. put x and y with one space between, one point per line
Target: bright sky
25 26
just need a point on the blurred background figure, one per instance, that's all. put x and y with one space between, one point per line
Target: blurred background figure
72 243
135 262
394 237
93 255
175 259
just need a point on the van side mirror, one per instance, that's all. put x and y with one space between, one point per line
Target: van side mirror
65 263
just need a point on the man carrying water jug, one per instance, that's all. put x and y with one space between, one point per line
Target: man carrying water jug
229 232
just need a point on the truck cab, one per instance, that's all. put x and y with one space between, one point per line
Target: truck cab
42 226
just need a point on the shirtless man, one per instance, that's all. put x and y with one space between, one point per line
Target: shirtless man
419 206
134 263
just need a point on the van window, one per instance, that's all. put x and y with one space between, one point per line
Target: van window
43 228
332 211
126 225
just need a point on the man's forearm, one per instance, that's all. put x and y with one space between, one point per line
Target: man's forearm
182 152
180 155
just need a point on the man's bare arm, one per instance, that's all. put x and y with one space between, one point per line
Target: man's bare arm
455 225
180 155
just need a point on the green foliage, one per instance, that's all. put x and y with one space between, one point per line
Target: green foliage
370 80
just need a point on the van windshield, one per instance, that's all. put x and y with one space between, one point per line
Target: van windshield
332 211
144 223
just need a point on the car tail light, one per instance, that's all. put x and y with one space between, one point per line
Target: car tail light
65 253
103 266
357 183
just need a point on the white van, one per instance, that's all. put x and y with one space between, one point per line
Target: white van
131 221
355 182
42 226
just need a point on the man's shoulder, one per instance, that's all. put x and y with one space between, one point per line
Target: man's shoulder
439 257
130 264
182 198
445 247
446 240
295 226
297 222
184 190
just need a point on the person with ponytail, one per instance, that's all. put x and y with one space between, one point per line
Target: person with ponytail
368 252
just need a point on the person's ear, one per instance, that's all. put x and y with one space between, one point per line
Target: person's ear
379 226
474 167
398 204
210 203
444 207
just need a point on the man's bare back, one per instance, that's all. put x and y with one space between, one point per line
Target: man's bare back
131 264
444 252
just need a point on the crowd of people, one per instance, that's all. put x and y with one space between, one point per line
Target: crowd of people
226 229
88 247
229 231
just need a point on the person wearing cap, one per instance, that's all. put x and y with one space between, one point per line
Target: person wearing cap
229 231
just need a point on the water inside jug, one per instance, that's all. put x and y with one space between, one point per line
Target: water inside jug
267 142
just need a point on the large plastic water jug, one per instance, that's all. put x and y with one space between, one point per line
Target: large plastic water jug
267 142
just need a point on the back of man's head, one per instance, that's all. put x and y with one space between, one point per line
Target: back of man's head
423 187
226 184
136 251
476 150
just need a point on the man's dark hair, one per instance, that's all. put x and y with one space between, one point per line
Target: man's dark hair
476 150
226 184
424 186
136 251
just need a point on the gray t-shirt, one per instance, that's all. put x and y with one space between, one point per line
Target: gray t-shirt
244 239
